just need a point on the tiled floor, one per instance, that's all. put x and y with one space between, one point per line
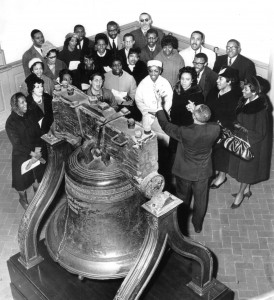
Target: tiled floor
242 239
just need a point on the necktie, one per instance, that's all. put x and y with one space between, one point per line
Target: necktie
113 45
230 62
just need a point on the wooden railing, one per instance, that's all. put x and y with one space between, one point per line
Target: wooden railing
12 74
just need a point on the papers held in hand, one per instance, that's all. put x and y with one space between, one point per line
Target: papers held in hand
84 86
73 64
119 96
28 165
107 69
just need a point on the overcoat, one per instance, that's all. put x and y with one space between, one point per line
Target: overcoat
255 117
24 134
223 109
37 113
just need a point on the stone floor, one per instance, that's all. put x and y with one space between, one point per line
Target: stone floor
242 239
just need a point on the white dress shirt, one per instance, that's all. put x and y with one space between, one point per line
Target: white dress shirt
232 60
115 41
39 50
188 55
199 76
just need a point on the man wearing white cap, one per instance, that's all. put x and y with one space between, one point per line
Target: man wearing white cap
150 89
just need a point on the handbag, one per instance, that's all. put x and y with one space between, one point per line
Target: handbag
225 133
239 147
235 144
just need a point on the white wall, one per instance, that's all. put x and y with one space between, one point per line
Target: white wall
246 20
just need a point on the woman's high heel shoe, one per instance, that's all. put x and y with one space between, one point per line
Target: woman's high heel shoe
216 186
233 205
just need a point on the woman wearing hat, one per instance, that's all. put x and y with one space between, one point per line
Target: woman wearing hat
70 54
54 64
253 121
223 101
36 67
151 88
24 134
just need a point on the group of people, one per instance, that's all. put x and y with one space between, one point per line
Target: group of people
185 97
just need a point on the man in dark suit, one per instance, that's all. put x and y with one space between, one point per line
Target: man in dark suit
114 37
193 166
140 33
86 45
233 58
206 78
34 51
152 48
128 41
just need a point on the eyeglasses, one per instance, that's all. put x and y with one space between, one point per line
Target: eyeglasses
198 63
144 20
232 48
52 57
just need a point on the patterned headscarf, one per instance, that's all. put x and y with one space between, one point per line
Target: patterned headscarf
14 103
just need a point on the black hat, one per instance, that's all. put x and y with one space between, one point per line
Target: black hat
259 84
229 72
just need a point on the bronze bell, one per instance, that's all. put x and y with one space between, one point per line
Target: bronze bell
99 231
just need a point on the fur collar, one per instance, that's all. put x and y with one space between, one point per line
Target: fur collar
196 89
253 107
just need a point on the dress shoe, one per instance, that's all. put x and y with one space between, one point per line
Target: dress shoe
197 230
216 186
233 205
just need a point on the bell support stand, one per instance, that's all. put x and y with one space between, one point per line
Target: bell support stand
163 231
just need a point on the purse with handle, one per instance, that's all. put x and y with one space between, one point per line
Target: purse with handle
235 144
239 147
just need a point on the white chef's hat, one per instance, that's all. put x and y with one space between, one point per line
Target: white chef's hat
155 63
